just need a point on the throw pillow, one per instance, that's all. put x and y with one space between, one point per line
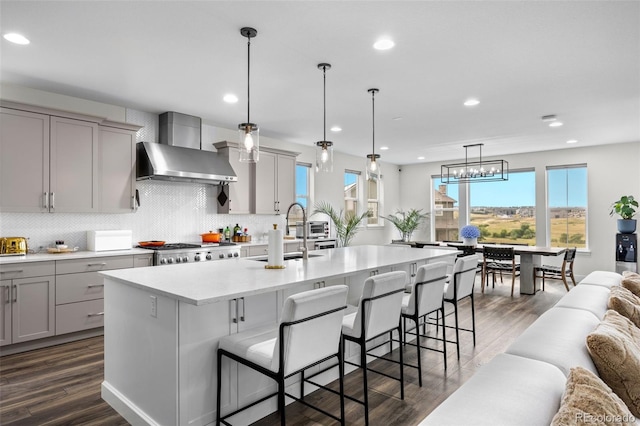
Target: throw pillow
587 399
614 347
631 282
625 303
630 274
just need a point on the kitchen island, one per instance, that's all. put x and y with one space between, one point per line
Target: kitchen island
162 326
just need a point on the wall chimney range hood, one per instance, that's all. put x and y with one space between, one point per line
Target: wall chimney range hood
178 157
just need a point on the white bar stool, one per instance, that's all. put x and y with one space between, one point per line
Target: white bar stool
461 287
309 333
378 314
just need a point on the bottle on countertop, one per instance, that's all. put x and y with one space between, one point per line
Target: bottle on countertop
227 235
237 231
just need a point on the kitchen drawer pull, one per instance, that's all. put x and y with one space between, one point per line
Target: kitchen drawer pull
99 314
242 317
45 200
8 299
95 285
15 293
15 271
53 200
96 264
234 311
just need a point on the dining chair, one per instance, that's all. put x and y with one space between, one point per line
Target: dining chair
558 272
308 334
426 297
377 315
460 288
499 259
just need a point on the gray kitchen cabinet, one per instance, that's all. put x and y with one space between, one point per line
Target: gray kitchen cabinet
80 291
24 161
274 188
73 160
142 260
237 193
28 302
64 162
117 169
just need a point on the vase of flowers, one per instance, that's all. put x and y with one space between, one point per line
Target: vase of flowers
470 235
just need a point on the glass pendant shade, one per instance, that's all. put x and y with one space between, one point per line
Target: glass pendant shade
324 156
249 142
373 167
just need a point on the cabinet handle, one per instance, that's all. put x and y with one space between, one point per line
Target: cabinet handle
53 200
95 285
15 293
96 264
234 311
99 314
242 317
15 271
45 200
8 299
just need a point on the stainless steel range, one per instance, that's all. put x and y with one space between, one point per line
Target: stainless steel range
169 254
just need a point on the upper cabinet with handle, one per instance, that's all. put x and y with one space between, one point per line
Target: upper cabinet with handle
64 164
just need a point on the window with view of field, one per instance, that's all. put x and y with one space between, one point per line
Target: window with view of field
567 206
505 211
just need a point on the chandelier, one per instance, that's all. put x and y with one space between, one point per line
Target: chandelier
249 144
373 165
324 148
474 171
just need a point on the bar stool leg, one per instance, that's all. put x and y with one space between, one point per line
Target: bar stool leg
363 363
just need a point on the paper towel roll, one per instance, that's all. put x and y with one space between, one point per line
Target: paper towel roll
276 247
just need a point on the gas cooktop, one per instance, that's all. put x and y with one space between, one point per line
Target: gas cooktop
182 246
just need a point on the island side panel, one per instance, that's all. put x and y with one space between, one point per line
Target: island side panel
141 354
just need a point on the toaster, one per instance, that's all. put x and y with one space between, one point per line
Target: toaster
13 246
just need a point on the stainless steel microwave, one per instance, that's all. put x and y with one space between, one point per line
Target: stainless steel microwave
315 229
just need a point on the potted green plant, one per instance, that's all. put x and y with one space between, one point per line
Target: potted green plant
406 222
625 208
345 224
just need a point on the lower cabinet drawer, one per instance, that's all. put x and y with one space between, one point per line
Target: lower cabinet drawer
79 287
79 316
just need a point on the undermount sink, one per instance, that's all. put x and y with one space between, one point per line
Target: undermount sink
287 256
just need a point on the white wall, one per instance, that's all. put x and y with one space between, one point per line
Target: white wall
613 171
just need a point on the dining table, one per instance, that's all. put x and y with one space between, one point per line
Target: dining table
530 257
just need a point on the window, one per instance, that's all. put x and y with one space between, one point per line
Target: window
445 217
303 173
567 206
373 202
505 211
351 183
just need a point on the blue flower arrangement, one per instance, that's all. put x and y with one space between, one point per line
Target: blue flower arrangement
469 231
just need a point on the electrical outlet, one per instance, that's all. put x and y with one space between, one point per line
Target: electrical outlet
154 306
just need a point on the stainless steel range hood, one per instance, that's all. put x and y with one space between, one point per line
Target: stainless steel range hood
178 156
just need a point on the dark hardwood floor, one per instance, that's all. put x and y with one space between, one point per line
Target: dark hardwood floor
60 385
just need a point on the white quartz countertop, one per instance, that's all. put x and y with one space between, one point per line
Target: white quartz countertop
43 257
209 282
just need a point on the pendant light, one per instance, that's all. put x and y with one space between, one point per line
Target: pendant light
373 166
324 148
249 133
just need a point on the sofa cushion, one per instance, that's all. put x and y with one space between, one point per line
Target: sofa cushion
615 349
588 398
625 303
500 393
602 278
557 337
631 281
592 298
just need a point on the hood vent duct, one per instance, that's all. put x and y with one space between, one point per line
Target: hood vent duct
178 156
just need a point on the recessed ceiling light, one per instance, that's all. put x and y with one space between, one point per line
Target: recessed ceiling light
420 158
397 118
383 44
384 148
16 38
230 98
471 102
572 141
336 129
556 124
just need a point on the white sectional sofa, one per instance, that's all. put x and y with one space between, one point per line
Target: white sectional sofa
524 386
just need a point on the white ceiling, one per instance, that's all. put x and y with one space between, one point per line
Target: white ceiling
579 60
